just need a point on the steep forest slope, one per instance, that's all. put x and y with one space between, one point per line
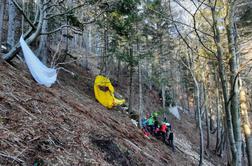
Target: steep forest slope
64 125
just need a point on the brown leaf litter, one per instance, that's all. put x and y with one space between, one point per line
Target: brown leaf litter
64 125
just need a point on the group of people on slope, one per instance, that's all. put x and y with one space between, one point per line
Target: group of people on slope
161 130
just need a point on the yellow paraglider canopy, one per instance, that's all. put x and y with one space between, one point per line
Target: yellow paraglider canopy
104 92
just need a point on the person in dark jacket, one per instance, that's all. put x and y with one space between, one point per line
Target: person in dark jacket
171 139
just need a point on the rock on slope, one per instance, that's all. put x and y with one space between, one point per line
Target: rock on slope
64 125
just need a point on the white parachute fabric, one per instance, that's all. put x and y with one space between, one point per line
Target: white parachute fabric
175 112
42 74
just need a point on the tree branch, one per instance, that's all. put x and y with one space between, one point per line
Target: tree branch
26 18
196 31
58 29
179 22
202 14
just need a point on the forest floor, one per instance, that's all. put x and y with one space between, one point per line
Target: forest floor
64 125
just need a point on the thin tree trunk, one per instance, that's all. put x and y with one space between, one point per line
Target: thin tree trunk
105 51
162 71
97 49
207 116
246 125
118 70
89 39
22 20
11 25
212 119
200 123
196 112
131 82
75 41
187 97
2 2
198 109
140 85
163 95
42 51
223 141
224 130
140 93
67 38
218 119
150 69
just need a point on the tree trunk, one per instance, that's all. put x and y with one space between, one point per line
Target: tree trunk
97 44
90 39
131 83
235 111
246 124
85 45
140 93
222 75
67 37
198 109
163 95
195 100
2 2
22 20
105 52
75 41
207 116
150 69
11 25
199 123
118 70
218 119
140 86
187 97
162 71
224 130
42 51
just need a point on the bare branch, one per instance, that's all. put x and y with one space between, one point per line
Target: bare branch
201 13
196 31
58 29
78 31
183 7
67 11
62 14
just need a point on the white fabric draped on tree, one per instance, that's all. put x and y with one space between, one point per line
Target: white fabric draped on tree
42 74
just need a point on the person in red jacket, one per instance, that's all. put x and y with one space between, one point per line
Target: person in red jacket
163 131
